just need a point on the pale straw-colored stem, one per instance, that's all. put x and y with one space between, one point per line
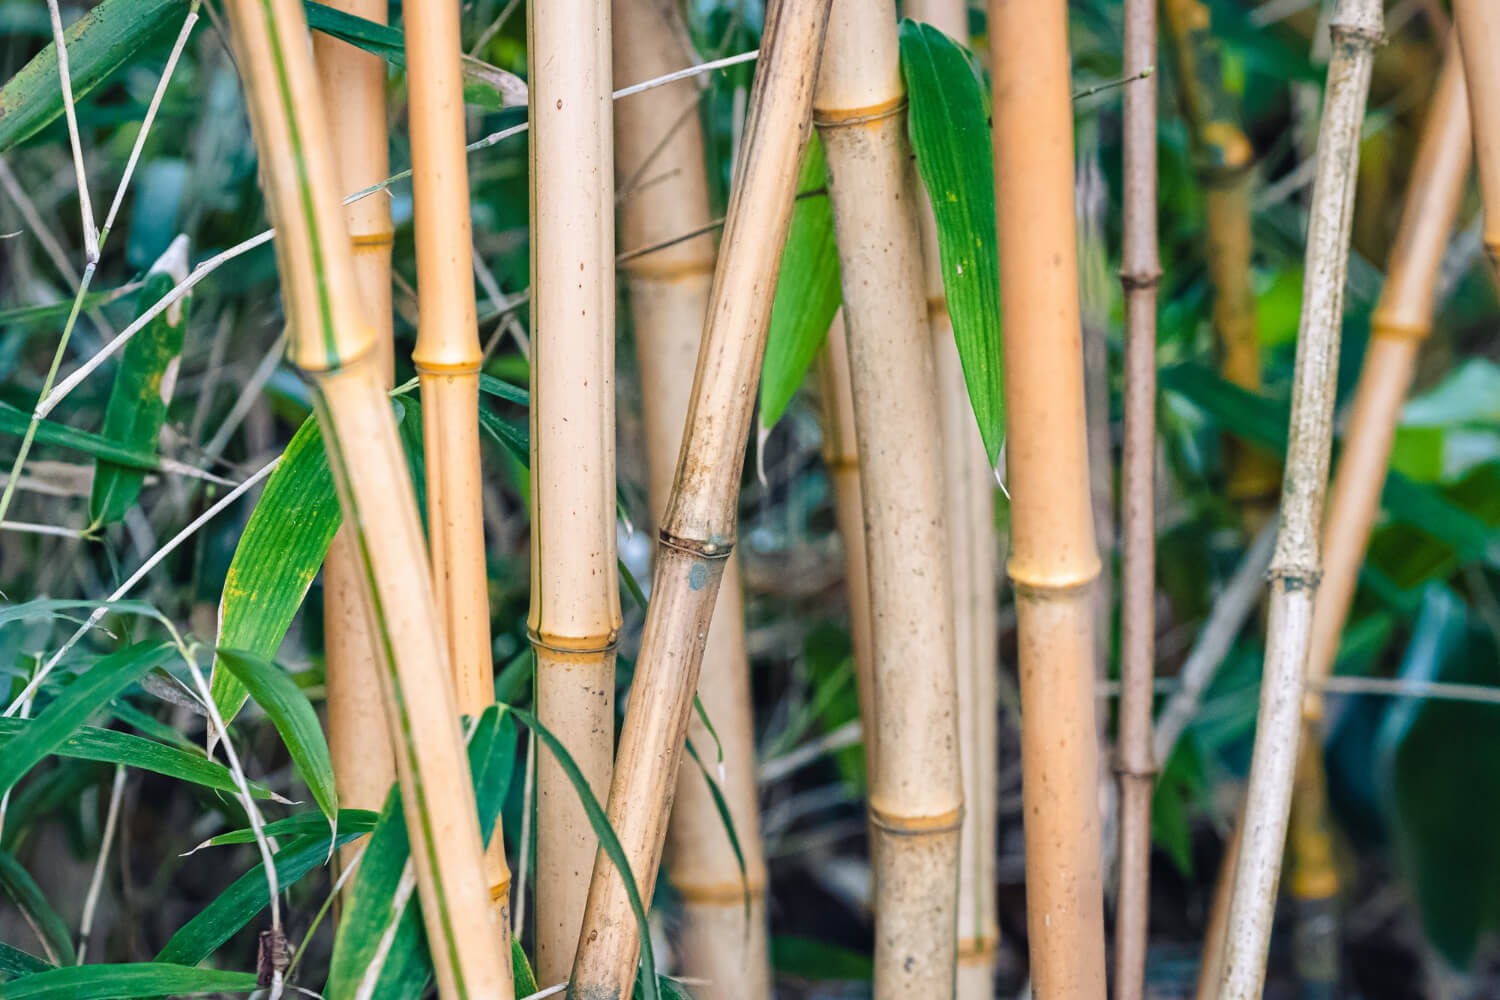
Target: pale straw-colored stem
1053 562
352 83
657 134
916 792
447 357
575 604
698 526
1140 273
335 344
1478 24
841 455
1295 567
969 501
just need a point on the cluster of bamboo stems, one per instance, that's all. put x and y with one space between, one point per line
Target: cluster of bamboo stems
410 652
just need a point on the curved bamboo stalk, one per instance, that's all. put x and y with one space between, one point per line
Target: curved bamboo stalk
1478 24
575 599
1225 160
335 345
969 508
916 793
657 134
1140 272
697 530
1053 562
1295 567
841 455
1401 322
352 82
447 357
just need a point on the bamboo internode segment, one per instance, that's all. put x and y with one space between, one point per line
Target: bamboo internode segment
916 792
352 84
1053 558
1140 272
1295 565
661 173
1478 24
841 455
575 600
334 342
969 496
698 525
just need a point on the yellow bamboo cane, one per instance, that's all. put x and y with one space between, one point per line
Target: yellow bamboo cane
1478 24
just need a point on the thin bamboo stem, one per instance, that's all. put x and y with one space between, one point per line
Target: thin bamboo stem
1053 562
969 501
697 529
352 84
1478 25
447 357
841 455
724 941
916 793
335 345
1295 567
1140 273
575 599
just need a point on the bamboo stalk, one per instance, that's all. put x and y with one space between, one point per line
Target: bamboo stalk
916 793
1224 162
575 600
969 509
1478 25
352 81
1140 273
657 134
697 531
1053 562
447 357
1295 567
1401 322
841 455
335 345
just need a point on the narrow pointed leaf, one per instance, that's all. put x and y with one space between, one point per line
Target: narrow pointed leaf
117 982
13 421
807 291
22 890
14 962
521 970
308 824
950 134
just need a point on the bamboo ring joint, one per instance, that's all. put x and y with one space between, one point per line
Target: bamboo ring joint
977 950
916 826
568 644
373 241
827 118
1356 35
1294 578
1139 280
693 547
499 890
1399 331
721 893
465 367
1044 585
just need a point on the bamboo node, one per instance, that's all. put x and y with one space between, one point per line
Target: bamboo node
1393 330
376 240
1359 37
694 547
916 826
638 271
464 367
977 950
1125 770
574 644
1033 584
1137 280
721 893
500 890
826 118
1295 578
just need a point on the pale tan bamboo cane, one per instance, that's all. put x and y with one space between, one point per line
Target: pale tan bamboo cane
969 498
841 455
916 792
335 345
447 357
657 135
352 83
1478 25
697 531
575 599
1140 272
1053 562
1295 567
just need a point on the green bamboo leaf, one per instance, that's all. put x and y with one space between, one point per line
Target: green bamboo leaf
236 906
14 963
17 883
277 557
75 704
156 730
292 714
14 421
807 291
521 970
500 389
99 43
512 437
305 824
143 386
50 607
950 134
484 85
110 747
59 310
117 982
